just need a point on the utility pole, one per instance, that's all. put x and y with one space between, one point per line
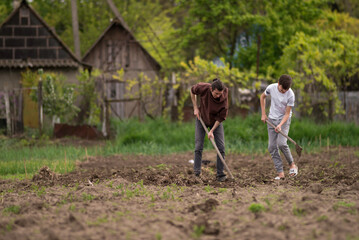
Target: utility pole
75 28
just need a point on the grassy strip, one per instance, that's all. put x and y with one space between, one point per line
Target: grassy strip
247 135
160 136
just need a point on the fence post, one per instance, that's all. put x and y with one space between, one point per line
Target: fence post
140 115
105 110
107 118
39 97
13 114
173 98
7 111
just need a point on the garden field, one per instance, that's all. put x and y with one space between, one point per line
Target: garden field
157 197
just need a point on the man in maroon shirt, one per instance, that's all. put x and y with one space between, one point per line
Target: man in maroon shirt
213 110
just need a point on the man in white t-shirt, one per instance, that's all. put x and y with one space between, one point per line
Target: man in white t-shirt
280 112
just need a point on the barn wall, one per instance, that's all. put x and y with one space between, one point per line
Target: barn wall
116 50
9 79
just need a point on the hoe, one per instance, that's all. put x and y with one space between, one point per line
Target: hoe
297 147
215 146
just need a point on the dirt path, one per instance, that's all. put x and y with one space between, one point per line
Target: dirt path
157 197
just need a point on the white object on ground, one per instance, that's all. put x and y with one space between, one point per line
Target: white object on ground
191 161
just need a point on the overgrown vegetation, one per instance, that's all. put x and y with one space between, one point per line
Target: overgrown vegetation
58 96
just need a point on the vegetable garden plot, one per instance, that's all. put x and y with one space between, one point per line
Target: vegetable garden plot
157 197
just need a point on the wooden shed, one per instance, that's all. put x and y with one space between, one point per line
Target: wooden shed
118 49
26 41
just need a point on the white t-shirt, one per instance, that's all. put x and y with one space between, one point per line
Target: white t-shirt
279 101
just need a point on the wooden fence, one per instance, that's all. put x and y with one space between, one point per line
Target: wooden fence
11 110
12 104
350 103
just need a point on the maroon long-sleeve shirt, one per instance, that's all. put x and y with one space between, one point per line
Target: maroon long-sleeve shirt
211 109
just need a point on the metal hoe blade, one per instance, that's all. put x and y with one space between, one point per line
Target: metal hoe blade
298 149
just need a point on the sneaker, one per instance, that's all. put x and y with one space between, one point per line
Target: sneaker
221 179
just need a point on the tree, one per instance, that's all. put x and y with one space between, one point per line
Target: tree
5 9
321 65
231 29
152 24
349 6
213 28
339 21
93 15
201 70
88 98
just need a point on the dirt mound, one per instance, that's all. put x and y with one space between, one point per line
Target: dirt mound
207 206
45 175
81 131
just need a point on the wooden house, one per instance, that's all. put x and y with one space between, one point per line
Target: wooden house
118 49
27 42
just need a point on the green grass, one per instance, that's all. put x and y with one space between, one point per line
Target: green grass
152 137
198 231
247 135
256 208
12 209
13 160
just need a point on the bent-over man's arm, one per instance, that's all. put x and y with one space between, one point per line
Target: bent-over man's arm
194 102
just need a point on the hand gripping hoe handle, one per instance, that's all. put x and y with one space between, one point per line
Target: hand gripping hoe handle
215 146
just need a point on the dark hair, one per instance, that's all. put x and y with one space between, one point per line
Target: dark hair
286 81
217 84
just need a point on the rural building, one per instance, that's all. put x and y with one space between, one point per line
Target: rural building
27 42
118 49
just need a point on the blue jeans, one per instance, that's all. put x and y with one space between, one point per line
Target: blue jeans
199 140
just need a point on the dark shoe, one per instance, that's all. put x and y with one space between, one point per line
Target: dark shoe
197 174
221 179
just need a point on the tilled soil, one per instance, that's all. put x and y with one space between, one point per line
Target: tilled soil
158 197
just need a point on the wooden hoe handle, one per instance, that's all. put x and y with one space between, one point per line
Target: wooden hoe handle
215 146
285 135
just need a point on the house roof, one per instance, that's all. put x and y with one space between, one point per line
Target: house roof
120 23
23 63
27 41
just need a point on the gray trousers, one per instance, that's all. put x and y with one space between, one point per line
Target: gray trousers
276 142
199 140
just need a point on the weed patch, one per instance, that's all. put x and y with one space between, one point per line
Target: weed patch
256 208
12 209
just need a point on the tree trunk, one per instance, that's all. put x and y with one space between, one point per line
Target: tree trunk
75 28
15 3
117 13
